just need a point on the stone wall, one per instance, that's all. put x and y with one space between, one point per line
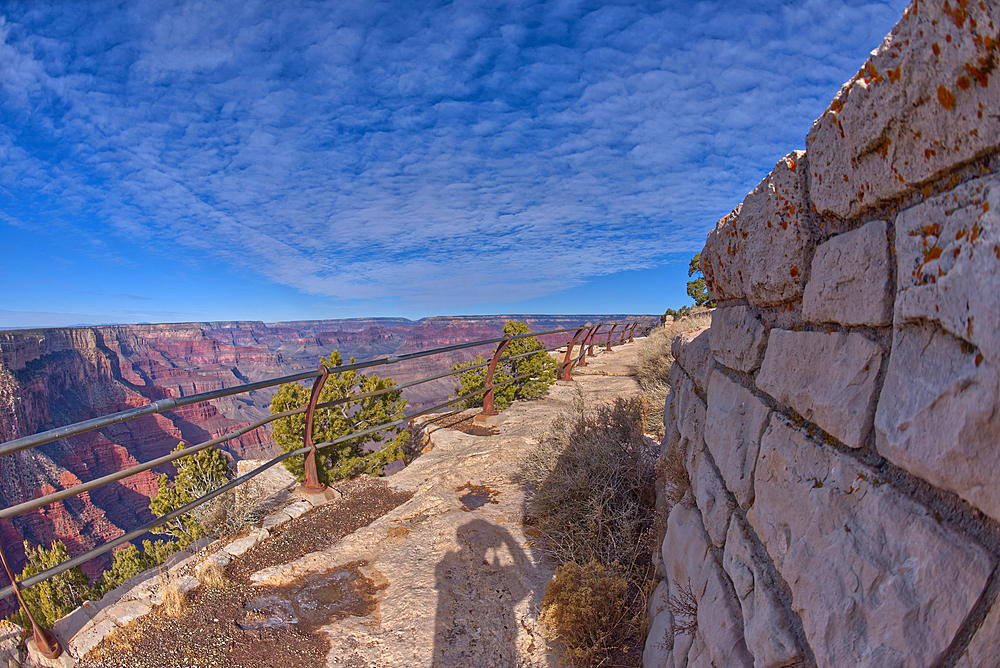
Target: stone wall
839 423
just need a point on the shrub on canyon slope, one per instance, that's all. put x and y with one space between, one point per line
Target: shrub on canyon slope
197 475
540 368
56 597
354 413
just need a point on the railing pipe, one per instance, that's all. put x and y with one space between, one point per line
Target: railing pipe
631 332
590 340
488 398
567 365
44 640
609 336
312 482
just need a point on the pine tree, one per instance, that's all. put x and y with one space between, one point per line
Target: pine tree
197 475
349 458
51 599
541 367
696 288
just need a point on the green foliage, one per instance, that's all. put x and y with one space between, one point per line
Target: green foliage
541 367
348 458
696 288
197 475
56 597
129 562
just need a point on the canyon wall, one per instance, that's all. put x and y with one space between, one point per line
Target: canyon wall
830 473
54 377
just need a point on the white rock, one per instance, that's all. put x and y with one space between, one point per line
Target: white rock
89 636
715 504
829 378
738 338
689 563
658 651
938 418
876 580
763 252
850 281
691 424
766 623
914 111
692 351
736 419
275 520
124 612
297 509
948 251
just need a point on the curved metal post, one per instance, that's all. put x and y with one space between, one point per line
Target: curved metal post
567 365
583 348
488 399
631 332
609 336
312 482
46 642
590 339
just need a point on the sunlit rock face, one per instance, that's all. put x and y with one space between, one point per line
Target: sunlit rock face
847 479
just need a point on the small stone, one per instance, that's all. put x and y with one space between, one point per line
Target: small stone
875 578
275 520
736 419
297 509
828 378
953 280
240 546
850 281
692 352
738 338
937 416
923 104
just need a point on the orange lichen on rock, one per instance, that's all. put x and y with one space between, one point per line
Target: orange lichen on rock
946 97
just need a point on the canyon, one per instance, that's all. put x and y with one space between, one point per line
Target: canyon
54 377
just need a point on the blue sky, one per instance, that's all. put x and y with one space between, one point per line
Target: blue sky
178 161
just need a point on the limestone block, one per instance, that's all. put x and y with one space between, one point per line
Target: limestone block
691 424
89 636
671 431
738 338
763 251
658 652
124 612
876 580
297 509
241 545
766 623
948 251
275 520
829 378
691 350
715 504
984 649
924 103
938 418
689 563
850 282
736 421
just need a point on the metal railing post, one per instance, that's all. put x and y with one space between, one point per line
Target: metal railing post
488 399
312 482
46 642
590 339
567 365
631 332
583 348
609 336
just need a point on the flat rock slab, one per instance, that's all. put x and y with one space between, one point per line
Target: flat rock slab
460 585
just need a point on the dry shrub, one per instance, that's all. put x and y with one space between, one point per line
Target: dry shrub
117 643
589 610
591 502
684 608
175 603
212 575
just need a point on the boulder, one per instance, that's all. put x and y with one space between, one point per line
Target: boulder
875 578
828 378
692 351
937 416
850 282
736 420
714 502
924 103
948 254
738 338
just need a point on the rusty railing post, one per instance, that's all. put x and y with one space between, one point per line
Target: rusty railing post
583 348
590 339
44 640
489 408
566 373
609 336
631 332
312 482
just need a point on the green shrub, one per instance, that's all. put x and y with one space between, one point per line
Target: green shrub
348 458
56 597
541 367
197 475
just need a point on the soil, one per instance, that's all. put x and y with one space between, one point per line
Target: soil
208 634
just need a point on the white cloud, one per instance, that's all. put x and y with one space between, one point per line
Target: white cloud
440 157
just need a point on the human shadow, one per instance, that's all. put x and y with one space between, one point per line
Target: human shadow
481 588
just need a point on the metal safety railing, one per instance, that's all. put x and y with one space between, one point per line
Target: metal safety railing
586 336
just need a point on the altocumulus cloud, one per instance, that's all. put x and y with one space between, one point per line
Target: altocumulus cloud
441 154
